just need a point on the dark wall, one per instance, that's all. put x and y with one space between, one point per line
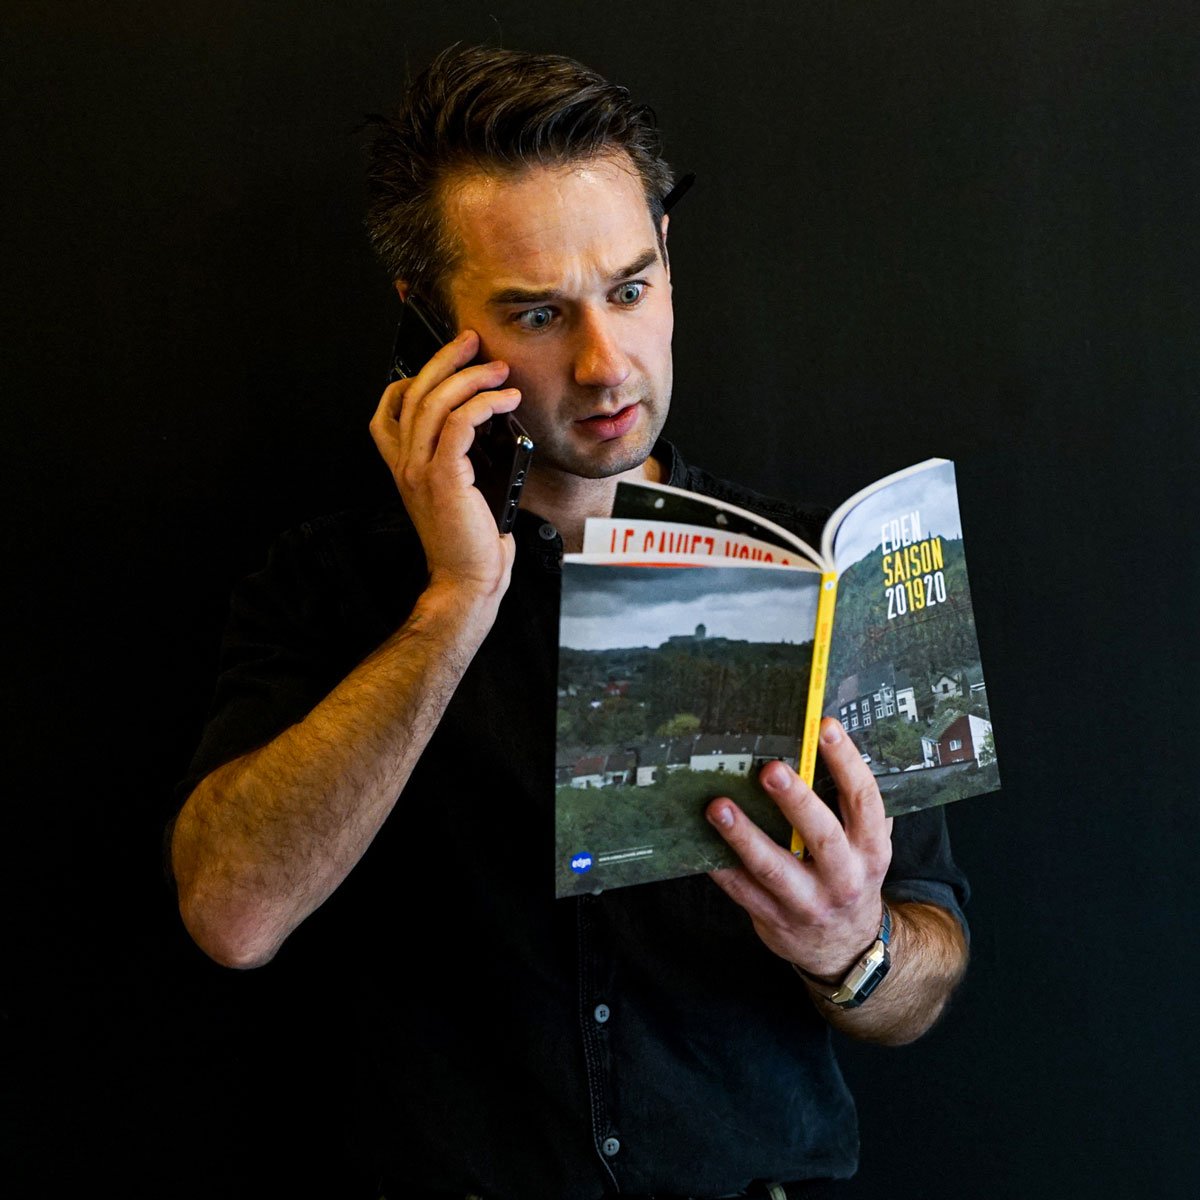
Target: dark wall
956 229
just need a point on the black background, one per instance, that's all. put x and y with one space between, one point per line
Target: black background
961 229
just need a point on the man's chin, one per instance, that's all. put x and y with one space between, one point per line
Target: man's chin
586 453
609 458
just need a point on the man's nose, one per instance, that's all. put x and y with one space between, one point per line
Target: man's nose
599 360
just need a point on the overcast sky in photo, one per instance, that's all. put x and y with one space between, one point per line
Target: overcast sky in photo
931 492
605 607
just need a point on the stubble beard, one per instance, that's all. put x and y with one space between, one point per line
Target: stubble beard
564 450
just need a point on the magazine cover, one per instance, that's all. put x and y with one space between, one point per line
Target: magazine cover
675 685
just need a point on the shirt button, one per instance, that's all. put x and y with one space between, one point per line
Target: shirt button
547 532
601 1013
610 1147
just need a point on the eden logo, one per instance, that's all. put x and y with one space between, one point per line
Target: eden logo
581 863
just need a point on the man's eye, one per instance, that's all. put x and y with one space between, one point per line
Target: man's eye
534 318
630 293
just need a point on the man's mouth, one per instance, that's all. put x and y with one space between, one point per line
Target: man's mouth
605 426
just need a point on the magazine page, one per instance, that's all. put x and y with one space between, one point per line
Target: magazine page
665 541
660 502
905 677
847 507
676 683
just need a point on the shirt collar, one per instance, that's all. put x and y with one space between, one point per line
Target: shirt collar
675 472
540 535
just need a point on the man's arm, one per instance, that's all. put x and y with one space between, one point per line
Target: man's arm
929 956
822 913
266 839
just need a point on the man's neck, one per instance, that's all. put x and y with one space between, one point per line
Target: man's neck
568 500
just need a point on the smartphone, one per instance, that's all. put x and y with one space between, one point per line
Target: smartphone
501 451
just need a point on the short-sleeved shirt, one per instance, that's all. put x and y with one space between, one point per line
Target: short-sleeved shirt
640 1041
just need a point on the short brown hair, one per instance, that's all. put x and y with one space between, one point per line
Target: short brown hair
498 111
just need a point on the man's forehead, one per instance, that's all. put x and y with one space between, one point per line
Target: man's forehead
521 229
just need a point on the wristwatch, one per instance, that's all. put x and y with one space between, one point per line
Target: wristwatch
866 974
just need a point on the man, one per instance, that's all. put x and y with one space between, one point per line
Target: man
382 745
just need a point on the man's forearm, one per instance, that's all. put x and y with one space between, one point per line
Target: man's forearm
929 956
263 841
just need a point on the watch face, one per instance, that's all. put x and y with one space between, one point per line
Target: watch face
864 978
873 980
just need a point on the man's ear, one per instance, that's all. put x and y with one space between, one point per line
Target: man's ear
666 220
402 288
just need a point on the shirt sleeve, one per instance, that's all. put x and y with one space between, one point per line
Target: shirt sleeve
274 662
298 626
923 868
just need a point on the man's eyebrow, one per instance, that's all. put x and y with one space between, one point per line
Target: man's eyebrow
518 295
647 258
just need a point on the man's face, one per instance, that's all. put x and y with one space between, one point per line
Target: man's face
562 278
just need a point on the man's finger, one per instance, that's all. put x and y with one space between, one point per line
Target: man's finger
425 414
458 431
449 359
384 426
867 828
392 400
453 356
743 889
818 826
770 865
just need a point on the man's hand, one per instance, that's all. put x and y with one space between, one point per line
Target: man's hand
423 428
821 912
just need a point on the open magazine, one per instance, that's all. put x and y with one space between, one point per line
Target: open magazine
699 641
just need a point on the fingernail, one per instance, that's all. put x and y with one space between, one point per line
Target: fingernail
721 816
831 733
774 778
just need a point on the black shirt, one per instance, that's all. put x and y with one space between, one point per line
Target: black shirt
505 1043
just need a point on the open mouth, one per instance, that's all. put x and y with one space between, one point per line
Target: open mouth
605 426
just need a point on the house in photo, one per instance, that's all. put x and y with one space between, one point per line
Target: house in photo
588 771
565 760
929 752
963 740
656 760
874 695
604 767
620 768
776 747
730 752
962 681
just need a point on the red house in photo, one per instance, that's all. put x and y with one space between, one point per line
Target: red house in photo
963 741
